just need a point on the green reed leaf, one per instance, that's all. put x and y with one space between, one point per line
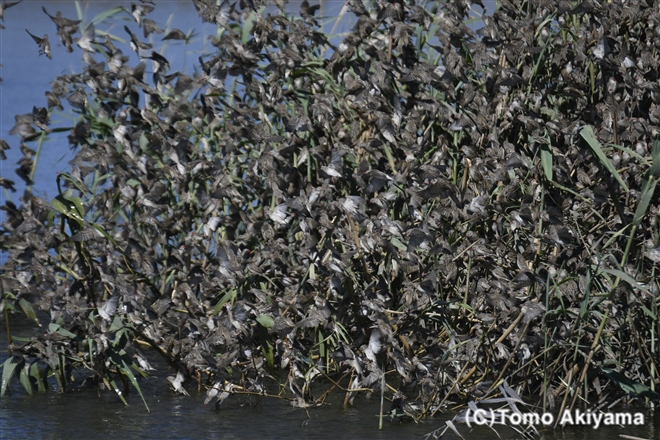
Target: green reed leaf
24 379
8 371
588 134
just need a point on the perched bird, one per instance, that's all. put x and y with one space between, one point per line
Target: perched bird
44 45
316 316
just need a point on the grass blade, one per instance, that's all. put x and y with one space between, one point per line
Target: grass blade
546 161
627 278
38 377
588 134
24 378
630 386
127 371
107 14
8 370
647 194
655 154
28 310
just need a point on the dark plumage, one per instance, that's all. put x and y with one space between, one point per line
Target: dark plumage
44 45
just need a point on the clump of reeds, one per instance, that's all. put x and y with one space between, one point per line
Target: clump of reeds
413 202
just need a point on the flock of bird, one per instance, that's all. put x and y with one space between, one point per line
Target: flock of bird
375 206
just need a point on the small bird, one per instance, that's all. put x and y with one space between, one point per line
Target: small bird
374 346
65 28
150 26
211 13
177 383
85 42
43 43
8 184
53 101
142 361
139 11
307 13
279 215
357 7
175 34
6 5
138 46
222 392
224 13
653 254
109 308
213 392
334 168
3 147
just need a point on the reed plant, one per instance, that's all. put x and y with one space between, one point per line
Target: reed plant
413 203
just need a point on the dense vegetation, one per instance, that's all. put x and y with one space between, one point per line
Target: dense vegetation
414 203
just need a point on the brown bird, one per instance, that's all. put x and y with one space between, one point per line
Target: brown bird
85 42
5 5
65 28
150 26
53 101
306 9
8 184
175 34
44 45
3 147
139 11
139 47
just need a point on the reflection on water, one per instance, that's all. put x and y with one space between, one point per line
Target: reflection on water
83 415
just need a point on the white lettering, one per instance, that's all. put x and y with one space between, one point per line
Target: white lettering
623 419
502 413
531 419
566 418
515 418
547 419
577 417
480 417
